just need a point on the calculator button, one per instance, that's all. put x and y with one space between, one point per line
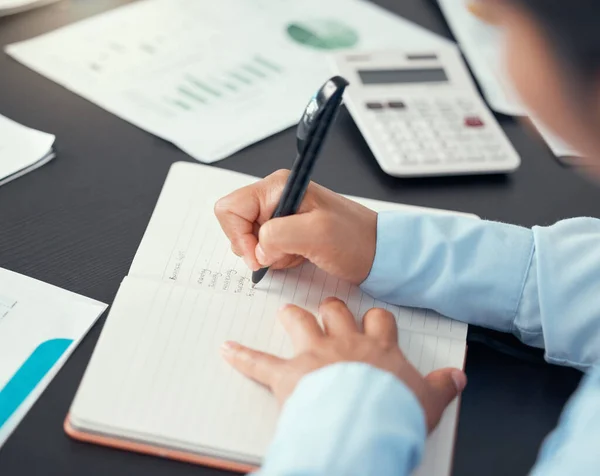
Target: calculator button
452 145
397 158
409 147
491 148
454 126
449 114
473 121
472 156
486 136
497 157
417 156
419 125
453 157
388 142
399 116
466 105
399 135
443 156
437 123
445 133
431 155
397 105
374 105
425 135
435 145
401 126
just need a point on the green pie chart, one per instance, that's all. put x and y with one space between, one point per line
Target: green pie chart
323 34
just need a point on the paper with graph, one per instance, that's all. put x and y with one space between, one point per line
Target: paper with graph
156 377
212 77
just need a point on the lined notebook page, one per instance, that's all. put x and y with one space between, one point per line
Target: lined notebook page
157 375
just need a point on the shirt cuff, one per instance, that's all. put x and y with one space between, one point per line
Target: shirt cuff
348 419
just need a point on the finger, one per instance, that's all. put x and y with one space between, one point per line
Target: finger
236 251
381 325
291 235
301 326
444 386
337 318
237 213
259 366
290 261
240 212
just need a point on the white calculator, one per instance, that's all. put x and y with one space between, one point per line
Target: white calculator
420 113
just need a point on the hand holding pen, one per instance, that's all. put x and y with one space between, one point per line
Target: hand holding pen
336 234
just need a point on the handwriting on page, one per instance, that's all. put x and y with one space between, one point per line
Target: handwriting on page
229 280
201 256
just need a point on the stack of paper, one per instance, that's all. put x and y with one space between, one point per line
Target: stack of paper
213 77
22 149
40 325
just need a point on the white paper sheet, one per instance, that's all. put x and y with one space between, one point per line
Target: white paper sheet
22 149
40 325
212 77
481 45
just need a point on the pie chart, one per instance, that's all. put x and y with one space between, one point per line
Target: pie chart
322 34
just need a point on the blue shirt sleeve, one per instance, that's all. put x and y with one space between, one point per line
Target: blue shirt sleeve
348 419
540 284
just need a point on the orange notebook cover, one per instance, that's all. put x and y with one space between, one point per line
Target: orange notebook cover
144 448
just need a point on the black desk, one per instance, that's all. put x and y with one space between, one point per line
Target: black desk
77 222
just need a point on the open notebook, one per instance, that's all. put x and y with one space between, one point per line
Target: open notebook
156 382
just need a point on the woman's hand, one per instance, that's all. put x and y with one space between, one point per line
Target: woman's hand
336 234
341 340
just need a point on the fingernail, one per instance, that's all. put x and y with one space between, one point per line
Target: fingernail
260 255
249 263
460 380
228 347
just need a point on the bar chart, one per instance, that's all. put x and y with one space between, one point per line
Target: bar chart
212 77
195 90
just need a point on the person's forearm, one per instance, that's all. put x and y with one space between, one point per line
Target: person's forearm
468 269
348 419
541 284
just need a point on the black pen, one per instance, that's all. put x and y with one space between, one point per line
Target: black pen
310 136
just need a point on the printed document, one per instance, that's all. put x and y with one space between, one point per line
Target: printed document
213 77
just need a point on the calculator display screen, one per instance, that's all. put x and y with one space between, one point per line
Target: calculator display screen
412 75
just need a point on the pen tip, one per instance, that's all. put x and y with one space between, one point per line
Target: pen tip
253 285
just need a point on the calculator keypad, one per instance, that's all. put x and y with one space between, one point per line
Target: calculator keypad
426 131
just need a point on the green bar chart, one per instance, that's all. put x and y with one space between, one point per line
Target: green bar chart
197 89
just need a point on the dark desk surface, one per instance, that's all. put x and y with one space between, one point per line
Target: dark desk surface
77 222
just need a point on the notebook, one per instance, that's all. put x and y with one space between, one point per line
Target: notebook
156 382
